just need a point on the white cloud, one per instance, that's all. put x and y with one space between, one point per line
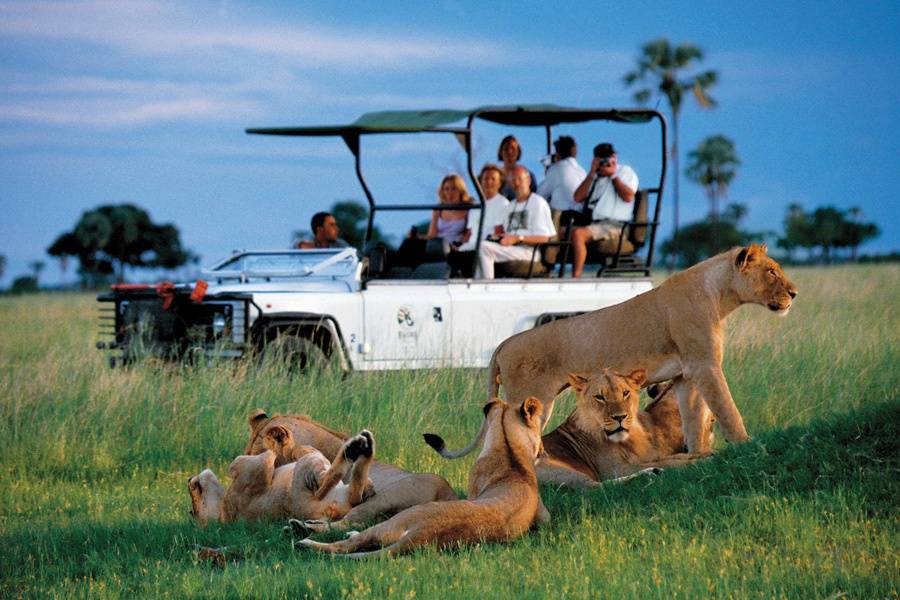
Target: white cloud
152 29
109 113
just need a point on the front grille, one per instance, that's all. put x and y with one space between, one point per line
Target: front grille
140 326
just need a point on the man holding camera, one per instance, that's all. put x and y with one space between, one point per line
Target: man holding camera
608 191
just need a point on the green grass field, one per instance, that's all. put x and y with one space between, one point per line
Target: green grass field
94 465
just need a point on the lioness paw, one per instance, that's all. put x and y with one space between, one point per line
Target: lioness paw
297 528
362 444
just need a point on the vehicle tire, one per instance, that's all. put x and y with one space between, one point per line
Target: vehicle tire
298 354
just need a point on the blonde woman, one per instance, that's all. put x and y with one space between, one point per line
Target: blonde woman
451 225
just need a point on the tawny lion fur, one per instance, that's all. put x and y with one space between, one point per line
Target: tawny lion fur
503 501
310 487
394 489
607 437
672 331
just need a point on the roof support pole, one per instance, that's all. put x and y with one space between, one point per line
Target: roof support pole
352 141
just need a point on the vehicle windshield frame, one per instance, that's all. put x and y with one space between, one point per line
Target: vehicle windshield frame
310 263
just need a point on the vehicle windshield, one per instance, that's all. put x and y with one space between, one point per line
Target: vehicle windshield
293 263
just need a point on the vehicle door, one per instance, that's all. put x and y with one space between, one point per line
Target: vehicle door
407 322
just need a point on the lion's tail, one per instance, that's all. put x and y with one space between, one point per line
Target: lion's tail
437 442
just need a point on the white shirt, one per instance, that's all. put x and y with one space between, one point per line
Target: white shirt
562 179
494 214
606 201
531 217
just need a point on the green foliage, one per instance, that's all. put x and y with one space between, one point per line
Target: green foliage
25 284
826 228
713 164
108 238
663 65
702 239
95 462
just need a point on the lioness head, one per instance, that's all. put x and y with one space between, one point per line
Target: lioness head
760 280
206 497
520 427
609 401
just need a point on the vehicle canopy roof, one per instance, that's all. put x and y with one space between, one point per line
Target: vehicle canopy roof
414 121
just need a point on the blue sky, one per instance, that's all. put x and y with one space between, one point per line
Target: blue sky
146 102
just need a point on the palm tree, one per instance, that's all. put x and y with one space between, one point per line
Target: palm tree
713 165
662 64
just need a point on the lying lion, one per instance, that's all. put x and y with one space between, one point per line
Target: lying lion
310 487
671 331
607 437
393 489
503 501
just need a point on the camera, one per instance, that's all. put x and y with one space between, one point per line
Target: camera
605 162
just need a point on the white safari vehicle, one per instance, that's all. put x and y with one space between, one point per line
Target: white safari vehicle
354 312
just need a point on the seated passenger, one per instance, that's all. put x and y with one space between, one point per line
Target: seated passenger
527 223
325 233
608 190
491 178
562 179
450 225
509 153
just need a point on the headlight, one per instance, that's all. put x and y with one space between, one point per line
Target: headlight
219 323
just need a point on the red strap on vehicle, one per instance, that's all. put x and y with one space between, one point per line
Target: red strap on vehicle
166 291
199 291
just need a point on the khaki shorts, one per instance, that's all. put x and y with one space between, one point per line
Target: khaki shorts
605 230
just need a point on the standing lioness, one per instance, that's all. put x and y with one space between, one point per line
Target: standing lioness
672 330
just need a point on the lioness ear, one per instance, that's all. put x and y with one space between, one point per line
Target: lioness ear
531 409
487 407
256 417
578 382
749 255
637 377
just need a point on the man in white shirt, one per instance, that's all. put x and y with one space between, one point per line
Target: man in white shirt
609 190
563 177
462 256
527 224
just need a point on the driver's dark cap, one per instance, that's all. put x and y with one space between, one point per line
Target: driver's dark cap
604 150
564 145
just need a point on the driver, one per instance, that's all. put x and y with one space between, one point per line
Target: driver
325 233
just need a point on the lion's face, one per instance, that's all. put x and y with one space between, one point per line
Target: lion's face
762 281
206 497
611 400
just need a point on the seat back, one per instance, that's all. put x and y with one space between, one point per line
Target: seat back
637 234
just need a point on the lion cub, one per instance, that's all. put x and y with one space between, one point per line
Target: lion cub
503 501
311 487
608 437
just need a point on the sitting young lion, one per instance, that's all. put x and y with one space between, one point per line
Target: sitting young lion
608 437
311 487
393 489
673 330
503 501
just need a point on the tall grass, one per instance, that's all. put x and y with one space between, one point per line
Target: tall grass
94 464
